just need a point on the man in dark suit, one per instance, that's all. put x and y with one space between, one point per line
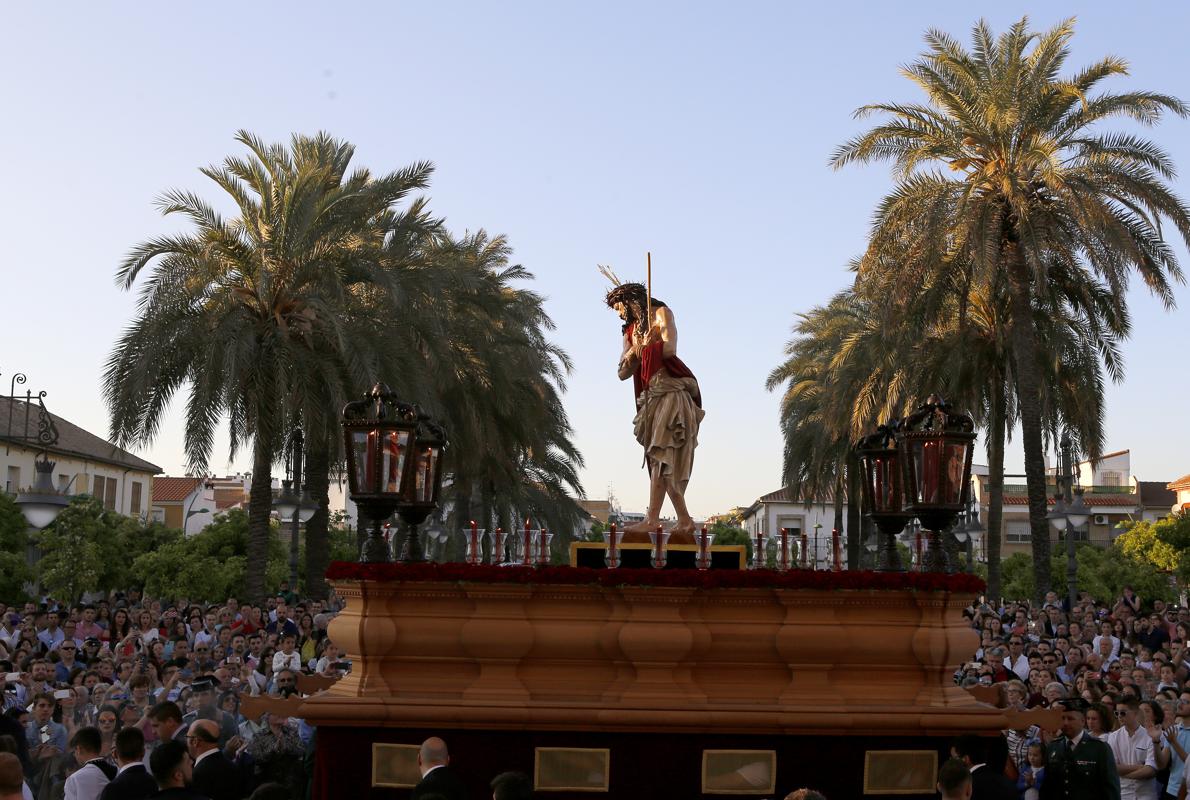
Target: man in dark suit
173 770
988 781
132 781
1079 767
433 762
214 775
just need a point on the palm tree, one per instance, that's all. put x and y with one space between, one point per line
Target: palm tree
251 313
498 384
1031 187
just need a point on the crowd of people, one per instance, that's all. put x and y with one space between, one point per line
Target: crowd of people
1118 674
125 696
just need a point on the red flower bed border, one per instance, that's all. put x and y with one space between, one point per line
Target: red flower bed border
684 578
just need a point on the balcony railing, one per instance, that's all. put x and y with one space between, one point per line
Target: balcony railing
1051 489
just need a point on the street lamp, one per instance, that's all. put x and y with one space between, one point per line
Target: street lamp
194 512
972 528
394 464
294 505
1070 513
40 503
936 443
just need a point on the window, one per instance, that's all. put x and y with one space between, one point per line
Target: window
134 503
1112 479
1017 532
14 480
104 490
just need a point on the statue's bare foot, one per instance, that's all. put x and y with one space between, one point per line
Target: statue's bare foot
639 532
682 532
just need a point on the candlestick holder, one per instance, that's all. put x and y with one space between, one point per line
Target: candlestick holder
705 540
527 547
612 537
499 543
543 547
474 539
759 550
659 538
785 551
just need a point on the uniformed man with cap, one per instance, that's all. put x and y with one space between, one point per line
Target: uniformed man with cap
204 693
1079 767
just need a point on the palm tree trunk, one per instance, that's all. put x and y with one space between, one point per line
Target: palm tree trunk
995 522
1024 346
827 553
260 506
317 481
855 532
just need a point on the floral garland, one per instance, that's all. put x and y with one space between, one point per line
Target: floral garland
683 578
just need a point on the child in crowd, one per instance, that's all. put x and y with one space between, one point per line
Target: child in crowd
1033 774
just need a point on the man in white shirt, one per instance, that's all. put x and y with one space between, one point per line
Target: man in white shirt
1016 660
87 782
1133 751
1105 634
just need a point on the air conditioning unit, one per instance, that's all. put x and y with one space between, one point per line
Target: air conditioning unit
1101 519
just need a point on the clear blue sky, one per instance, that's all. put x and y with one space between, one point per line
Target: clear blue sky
584 132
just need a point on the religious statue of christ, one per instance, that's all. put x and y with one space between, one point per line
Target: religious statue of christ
668 404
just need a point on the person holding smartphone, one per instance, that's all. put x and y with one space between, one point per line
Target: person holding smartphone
45 737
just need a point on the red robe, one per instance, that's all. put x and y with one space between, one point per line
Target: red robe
651 360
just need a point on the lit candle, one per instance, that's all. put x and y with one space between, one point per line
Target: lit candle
475 550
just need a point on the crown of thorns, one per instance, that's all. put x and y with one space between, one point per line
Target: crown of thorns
622 292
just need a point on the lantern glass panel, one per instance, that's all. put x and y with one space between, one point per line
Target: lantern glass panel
951 478
394 451
362 459
884 480
424 475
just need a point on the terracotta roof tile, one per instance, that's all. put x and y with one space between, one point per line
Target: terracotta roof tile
1090 499
173 490
789 494
1181 483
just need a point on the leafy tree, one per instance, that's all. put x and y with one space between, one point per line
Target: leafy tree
726 533
1165 543
1102 572
14 540
212 564
596 532
79 551
1033 189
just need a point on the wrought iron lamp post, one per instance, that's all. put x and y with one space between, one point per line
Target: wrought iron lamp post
935 444
40 503
1070 513
394 464
294 504
971 529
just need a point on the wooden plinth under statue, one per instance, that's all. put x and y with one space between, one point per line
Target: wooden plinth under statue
647 683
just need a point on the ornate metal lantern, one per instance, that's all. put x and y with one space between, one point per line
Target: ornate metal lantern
379 434
883 492
936 443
